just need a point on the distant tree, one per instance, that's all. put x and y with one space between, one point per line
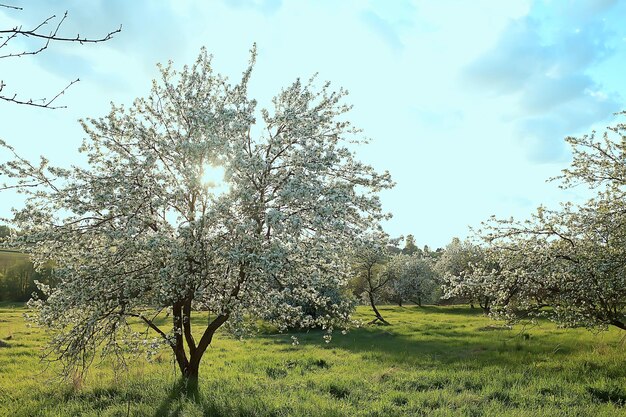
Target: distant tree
18 283
410 247
369 258
456 266
412 279
138 231
571 259
38 38
5 231
18 276
18 279
428 253
393 249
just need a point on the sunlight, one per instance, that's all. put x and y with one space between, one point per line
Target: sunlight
213 178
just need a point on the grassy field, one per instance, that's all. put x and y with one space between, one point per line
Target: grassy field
433 361
9 259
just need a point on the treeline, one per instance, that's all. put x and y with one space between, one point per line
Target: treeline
18 276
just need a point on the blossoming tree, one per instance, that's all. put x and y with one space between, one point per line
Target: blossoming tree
138 231
571 259
412 279
457 266
369 256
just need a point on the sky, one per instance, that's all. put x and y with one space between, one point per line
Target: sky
466 103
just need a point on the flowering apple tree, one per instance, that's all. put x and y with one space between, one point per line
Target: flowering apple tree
464 273
570 260
138 232
412 279
369 256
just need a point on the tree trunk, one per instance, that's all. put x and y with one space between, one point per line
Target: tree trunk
619 324
485 306
190 380
194 362
179 346
190 368
379 317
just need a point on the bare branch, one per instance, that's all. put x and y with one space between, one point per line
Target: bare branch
37 32
8 6
151 324
46 104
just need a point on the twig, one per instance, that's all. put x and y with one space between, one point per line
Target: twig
7 35
8 6
45 103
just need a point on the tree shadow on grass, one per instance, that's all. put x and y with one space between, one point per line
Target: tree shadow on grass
177 396
432 346
454 310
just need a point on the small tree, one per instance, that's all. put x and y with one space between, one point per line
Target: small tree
368 261
139 231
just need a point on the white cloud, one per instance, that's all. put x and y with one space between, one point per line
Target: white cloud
545 59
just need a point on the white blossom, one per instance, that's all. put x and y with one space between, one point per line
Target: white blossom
138 232
567 264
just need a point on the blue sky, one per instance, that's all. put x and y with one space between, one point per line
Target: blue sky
466 103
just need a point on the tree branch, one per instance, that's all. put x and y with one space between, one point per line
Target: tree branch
46 104
7 35
151 324
52 36
191 343
8 6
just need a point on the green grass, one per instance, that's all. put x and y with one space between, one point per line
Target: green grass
434 361
9 258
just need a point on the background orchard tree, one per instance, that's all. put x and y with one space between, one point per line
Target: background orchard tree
598 162
369 257
140 231
412 279
571 259
456 266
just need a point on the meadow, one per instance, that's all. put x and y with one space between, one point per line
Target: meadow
432 361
